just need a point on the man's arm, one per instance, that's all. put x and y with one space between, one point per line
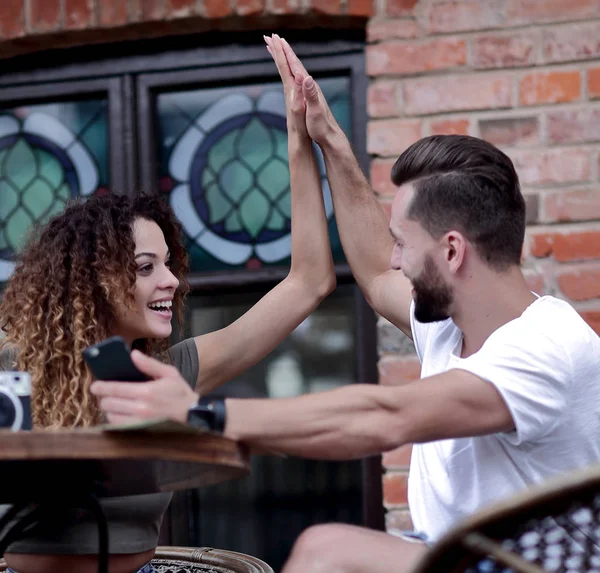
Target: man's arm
361 420
362 224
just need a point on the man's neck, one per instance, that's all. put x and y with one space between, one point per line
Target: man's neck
487 303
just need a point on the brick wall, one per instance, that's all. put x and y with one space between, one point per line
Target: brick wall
524 74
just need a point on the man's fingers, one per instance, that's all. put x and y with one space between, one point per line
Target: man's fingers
310 90
150 366
122 407
126 390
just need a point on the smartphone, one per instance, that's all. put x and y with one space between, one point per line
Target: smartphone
110 360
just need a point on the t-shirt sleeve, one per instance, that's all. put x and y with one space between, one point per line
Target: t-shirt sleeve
532 372
184 356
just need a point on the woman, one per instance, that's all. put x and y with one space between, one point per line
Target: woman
116 266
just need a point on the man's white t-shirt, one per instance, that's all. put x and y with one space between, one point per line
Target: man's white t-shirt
546 366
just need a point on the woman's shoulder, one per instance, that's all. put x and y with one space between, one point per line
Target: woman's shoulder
184 356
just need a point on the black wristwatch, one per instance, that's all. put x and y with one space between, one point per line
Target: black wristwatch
208 414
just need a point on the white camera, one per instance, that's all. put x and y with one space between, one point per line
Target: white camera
15 400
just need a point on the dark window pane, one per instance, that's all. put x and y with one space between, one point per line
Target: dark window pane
223 161
264 513
49 154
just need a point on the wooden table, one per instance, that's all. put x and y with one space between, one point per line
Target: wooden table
114 463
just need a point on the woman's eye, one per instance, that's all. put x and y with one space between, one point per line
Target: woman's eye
168 264
145 268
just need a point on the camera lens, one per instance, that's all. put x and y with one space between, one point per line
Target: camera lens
7 411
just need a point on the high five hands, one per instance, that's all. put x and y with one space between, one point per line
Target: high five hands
320 123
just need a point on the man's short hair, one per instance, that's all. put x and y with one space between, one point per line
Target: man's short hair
466 184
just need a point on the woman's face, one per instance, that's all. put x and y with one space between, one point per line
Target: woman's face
155 287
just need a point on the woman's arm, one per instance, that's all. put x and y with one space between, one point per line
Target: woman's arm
225 353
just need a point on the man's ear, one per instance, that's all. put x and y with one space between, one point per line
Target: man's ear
455 246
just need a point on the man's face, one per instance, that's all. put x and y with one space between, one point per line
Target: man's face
413 254
432 295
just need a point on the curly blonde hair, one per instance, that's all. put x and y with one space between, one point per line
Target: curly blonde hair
70 277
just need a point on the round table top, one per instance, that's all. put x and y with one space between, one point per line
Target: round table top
116 462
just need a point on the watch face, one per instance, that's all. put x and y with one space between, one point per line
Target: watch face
200 417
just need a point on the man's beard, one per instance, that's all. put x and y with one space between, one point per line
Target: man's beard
432 296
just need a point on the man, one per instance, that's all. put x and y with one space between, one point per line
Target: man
508 395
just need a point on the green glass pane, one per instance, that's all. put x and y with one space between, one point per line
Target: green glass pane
55 209
63 193
276 221
281 148
255 144
235 180
208 176
50 168
9 199
222 151
218 204
38 198
274 179
285 205
233 223
254 211
20 164
16 228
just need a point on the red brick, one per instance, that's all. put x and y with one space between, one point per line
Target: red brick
567 246
45 15
398 458
362 8
79 14
250 7
380 177
400 7
510 131
408 57
112 13
579 205
150 10
541 167
535 282
283 6
592 317
457 93
394 370
386 207
574 126
505 51
536 11
384 98
179 8
572 42
12 19
397 520
326 6
580 281
385 29
463 15
593 85
395 489
216 8
450 127
388 137
550 87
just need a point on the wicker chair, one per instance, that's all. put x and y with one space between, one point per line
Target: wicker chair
550 528
200 560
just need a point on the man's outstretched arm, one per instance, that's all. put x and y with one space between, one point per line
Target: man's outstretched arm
362 224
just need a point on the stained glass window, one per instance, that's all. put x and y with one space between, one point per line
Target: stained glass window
223 162
49 154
